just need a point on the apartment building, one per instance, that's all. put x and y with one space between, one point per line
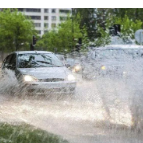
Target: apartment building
46 18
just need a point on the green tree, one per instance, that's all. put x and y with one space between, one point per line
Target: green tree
128 28
49 41
64 38
132 13
87 19
93 18
16 30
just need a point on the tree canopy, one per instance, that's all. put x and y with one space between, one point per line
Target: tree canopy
16 30
64 38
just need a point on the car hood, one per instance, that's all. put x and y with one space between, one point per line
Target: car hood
46 72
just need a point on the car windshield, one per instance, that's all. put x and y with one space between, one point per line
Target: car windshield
119 53
32 60
61 57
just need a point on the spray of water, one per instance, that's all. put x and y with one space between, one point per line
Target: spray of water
102 109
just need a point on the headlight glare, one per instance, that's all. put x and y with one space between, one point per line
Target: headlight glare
77 68
28 78
71 77
103 68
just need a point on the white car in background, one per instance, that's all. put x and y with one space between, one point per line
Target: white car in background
113 61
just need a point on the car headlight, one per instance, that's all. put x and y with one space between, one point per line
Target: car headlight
103 68
70 77
28 78
76 68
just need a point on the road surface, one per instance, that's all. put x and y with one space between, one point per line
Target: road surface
88 117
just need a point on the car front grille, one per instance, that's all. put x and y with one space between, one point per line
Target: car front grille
51 80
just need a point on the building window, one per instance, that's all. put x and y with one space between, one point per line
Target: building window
36 17
53 18
64 11
37 24
46 24
39 32
33 10
21 9
46 17
46 10
45 31
53 25
53 10
63 18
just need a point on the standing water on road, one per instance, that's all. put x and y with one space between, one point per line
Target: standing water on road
102 110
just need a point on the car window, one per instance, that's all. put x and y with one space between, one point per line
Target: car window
31 60
12 62
6 62
61 58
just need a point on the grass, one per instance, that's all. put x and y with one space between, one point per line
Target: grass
26 134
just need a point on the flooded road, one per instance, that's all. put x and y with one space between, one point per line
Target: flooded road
99 112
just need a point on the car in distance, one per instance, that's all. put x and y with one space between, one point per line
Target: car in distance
40 72
113 61
61 57
73 64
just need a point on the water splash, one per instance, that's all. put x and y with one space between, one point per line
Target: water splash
103 108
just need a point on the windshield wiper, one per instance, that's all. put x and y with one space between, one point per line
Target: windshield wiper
31 64
48 63
45 62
